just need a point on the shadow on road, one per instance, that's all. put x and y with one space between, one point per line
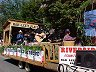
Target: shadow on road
32 67
39 69
12 61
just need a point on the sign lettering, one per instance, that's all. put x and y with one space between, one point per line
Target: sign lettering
25 25
73 50
67 53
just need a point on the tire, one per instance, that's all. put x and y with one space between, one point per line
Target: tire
27 67
20 65
60 68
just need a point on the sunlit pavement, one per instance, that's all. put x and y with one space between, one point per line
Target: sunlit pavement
10 65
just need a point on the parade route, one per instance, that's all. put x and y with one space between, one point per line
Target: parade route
10 65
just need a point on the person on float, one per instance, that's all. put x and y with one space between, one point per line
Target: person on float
67 36
20 37
39 34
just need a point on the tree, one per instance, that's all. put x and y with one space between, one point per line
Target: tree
58 14
11 9
55 13
32 11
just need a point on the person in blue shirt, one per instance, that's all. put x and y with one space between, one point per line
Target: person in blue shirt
20 37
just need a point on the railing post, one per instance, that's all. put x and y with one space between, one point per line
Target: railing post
53 51
48 52
44 53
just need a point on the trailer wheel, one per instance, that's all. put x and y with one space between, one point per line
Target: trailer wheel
20 65
27 67
60 68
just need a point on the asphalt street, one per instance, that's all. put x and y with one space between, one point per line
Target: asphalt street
10 65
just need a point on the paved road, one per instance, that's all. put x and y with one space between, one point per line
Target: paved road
9 65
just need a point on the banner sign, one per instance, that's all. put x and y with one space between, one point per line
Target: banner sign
67 53
18 53
90 23
35 55
29 54
25 25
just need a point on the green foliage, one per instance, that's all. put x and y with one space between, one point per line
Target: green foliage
80 29
11 9
57 14
85 4
26 47
64 15
34 48
1 49
31 11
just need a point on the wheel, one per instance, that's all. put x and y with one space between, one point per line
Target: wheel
20 65
27 67
60 68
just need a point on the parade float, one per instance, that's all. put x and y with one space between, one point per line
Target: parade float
61 56
44 54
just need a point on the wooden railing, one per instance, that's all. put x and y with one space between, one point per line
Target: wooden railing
51 51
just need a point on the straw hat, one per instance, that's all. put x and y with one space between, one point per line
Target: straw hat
20 31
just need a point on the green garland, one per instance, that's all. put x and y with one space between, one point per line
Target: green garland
2 49
34 48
